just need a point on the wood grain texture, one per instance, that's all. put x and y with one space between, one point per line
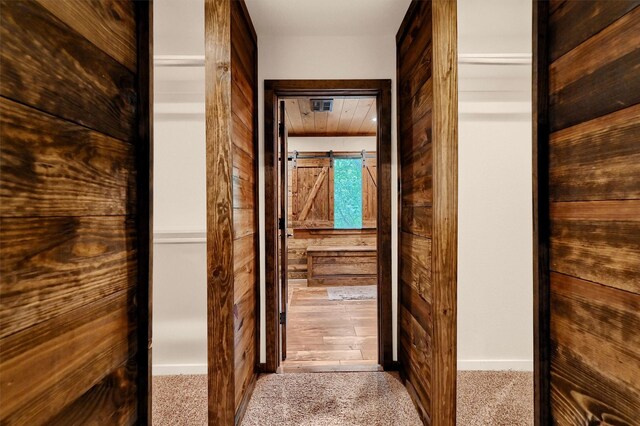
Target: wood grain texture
52 167
349 117
109 24
370 193
232 208
64 74
427 153
50 365
602 251
415 173
77 260
587 212
572 22
329 335
220 199
346 265
595 357
112 401
598 159
305 237
607 62
75 221
445 210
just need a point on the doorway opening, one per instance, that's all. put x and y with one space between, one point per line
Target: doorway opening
328 281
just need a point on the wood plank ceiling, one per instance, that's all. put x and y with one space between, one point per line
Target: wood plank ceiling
349 117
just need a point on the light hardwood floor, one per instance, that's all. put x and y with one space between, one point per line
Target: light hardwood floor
329 335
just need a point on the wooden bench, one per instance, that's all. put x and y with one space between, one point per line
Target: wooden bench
341 265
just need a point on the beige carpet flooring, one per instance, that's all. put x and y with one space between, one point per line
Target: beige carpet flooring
484 398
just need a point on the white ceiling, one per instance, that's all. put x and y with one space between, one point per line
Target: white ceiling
327 17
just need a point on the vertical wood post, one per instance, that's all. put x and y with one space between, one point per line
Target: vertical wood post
445 210
220 336
144 168
540 167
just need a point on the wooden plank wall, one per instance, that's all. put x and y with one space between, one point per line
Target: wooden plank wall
244 130
232 181
74 211
588 89
427 153
303 238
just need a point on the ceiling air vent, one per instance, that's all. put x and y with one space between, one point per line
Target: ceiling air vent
321 105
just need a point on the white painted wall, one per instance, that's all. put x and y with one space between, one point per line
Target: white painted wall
495 296
179 263
495 291
322 57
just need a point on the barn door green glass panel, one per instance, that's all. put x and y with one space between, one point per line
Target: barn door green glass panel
347 197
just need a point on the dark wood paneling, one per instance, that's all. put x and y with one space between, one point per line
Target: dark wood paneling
597 160
415 103
144 206
602 251
540 204
607 63
244 94
76 260
303 238
243 103
595 357
416 270
415 353
62 73
75 221
587 212
115 19
232 208
427 153
573 22
110 402
48 366
51 167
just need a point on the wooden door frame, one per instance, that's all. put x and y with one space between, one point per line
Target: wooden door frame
541 218
144 205
381 90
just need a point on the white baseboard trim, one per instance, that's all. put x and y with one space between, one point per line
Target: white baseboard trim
495 364
176 369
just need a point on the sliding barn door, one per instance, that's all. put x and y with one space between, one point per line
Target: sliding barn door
587 207
232 207
427 156
312 192
75 163
369 191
